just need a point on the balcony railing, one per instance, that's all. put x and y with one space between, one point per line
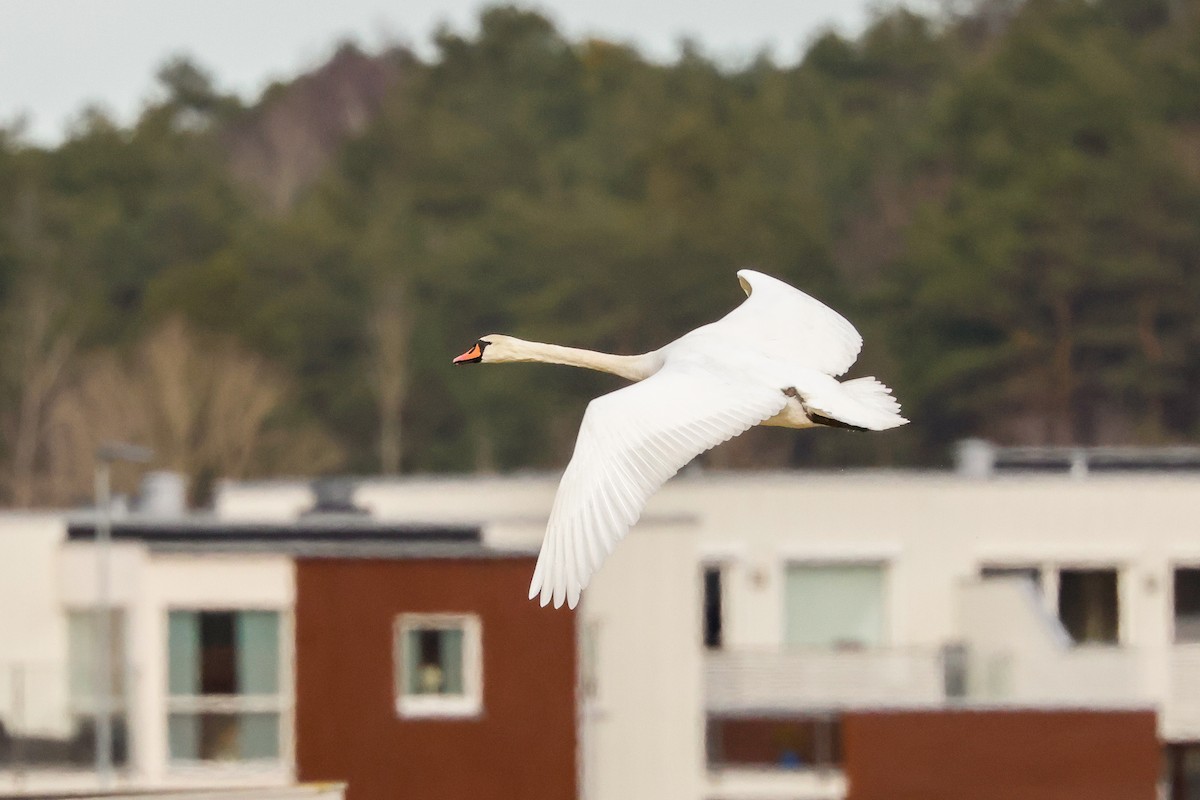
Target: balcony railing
1181 712
48 719
813 679
801 679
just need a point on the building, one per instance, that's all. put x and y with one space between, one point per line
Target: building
328 649
859 635
796 607
432 677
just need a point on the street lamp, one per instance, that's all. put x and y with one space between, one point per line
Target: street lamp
106 455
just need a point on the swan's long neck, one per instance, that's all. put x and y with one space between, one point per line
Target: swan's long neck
634 368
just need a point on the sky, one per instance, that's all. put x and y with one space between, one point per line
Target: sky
58 56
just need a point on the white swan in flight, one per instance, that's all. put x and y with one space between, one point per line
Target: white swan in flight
770 361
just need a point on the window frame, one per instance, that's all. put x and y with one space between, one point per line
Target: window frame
279 703
1175 567
426 706
884 565
1119 575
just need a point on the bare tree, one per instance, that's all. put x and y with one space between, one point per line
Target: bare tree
40 344
390 329
203 404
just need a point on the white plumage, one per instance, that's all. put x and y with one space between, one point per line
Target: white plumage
770 361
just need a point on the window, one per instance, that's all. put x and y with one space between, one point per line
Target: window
835 605
799 742
224 677
83 654
1087 605
438 665
1187 605
713 610
1182 771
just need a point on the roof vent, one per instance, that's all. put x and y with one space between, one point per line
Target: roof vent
162 494
334 496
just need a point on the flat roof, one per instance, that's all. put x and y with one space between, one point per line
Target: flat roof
313 534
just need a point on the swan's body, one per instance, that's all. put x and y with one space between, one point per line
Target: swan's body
770 361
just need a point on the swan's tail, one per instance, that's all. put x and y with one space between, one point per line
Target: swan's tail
861 403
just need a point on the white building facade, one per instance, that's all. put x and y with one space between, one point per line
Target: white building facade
796 596
738 597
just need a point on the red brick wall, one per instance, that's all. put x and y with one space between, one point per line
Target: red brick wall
521 747
1001 755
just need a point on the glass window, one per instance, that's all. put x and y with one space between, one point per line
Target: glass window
223 736
799 742
438 665
434 661
83 669
223 674
713 616
83 647
1087 605
835 605
1187 605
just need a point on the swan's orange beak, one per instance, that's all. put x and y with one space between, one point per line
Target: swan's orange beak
471 356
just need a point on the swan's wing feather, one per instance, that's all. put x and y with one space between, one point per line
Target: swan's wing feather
630 442
786 324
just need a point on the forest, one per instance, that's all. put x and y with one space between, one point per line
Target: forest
1004 197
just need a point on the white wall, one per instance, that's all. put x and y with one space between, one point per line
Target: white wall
936 531
643 729
30 551
33 633
262 501
1021 655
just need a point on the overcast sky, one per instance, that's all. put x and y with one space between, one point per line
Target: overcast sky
58 55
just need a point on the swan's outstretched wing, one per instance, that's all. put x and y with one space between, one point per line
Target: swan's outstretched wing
785 324
631 441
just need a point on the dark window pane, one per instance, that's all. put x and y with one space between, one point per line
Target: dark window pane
1187 604
802 742
1087 605
434 661
712 608
218 659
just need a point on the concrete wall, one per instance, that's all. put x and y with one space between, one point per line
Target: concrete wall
643 711
33 632
1020 654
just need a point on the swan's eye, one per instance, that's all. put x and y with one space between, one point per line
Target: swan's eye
474 355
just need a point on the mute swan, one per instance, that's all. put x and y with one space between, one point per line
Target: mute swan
770 361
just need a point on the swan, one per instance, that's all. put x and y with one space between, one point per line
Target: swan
773 360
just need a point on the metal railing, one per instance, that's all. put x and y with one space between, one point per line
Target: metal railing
48 719
814 678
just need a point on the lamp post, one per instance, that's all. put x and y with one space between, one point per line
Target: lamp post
106 455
